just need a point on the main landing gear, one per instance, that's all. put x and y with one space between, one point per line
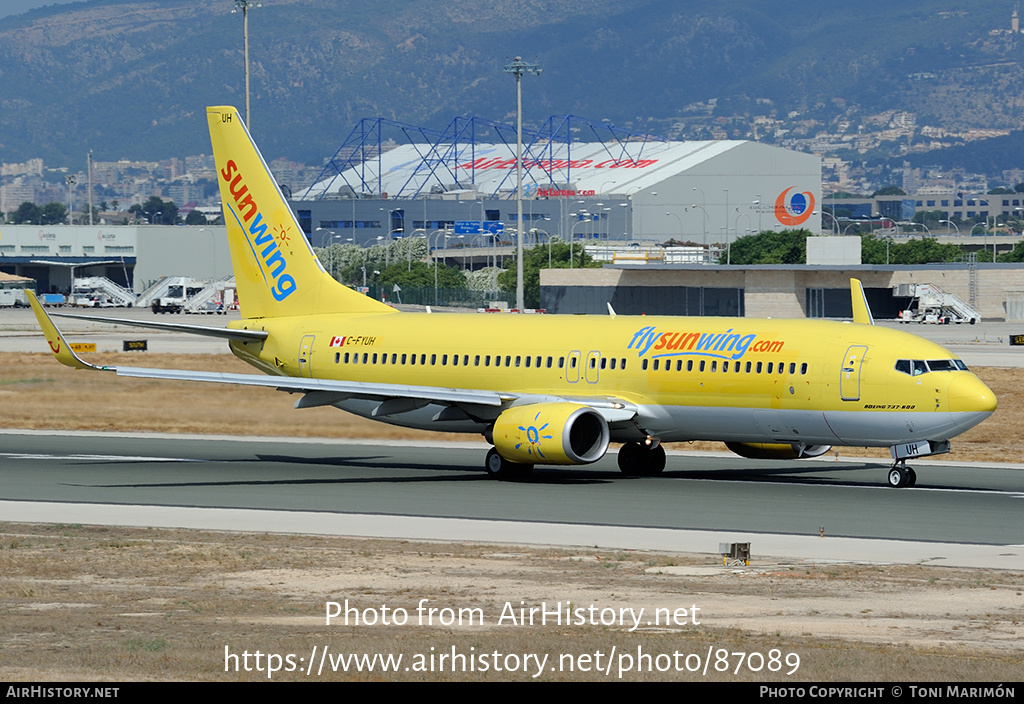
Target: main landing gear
501 469
638 459
900 475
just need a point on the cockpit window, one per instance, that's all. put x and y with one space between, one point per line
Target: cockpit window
916 367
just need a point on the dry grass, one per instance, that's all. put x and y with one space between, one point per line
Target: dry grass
38 393
88 603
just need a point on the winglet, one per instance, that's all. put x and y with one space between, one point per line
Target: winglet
58 345
861 310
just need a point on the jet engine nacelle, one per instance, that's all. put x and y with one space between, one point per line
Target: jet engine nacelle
551 433
777 451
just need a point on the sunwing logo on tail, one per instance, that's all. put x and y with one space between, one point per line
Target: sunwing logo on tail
725 345
262 242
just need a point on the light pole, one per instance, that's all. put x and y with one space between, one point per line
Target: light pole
736 227
517 68
572 236
835 223
950 222
706 220
680 221
243 5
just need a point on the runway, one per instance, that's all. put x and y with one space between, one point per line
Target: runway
956 515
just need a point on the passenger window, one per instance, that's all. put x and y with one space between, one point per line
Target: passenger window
702 363
758 369
643 365
689 365
337 357
656 364
803 368
769 370
714 365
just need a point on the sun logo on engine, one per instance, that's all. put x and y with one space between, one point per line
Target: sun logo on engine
533 438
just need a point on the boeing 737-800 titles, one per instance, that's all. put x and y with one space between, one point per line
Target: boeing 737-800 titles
556 389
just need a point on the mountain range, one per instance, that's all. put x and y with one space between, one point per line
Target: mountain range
131 78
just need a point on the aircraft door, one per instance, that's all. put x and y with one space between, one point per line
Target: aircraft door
305 356
592 368
849 374
572 367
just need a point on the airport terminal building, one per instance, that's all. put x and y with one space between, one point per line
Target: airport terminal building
626 187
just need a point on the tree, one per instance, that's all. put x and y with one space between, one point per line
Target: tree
54 214
770 247
917 251
1014 255
157 211
536 259
195 218
421 275
26 214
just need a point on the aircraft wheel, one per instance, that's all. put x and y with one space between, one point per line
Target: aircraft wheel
654 463
630 459
899 477
911 477
501 469
637 460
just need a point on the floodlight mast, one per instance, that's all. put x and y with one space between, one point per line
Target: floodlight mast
517 68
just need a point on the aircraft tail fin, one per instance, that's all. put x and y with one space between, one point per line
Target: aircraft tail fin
861 310
276 272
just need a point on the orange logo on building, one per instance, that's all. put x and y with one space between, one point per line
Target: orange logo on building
794 209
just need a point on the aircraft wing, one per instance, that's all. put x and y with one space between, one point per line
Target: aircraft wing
223 333
395 398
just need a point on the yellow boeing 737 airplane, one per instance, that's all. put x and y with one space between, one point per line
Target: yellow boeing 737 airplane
556 389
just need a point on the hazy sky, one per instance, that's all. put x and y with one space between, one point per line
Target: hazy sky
16 7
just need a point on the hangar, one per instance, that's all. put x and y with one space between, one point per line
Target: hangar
618 186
